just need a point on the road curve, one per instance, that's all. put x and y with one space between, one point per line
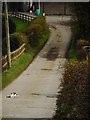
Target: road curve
38 85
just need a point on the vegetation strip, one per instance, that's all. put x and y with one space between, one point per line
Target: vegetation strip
72 102
73 99
20 24
20 64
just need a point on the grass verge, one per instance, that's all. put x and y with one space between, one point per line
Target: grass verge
20 24
72 53
20 64
72 50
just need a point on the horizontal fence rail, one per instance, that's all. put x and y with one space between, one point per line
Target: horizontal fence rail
23 16
15 54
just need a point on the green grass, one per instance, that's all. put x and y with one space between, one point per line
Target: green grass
20 24
20 64
72 54
43 39
72 50
17 67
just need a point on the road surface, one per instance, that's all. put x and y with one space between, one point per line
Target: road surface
38 85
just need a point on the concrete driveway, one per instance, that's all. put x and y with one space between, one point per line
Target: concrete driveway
38 85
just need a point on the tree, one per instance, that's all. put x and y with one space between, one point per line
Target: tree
82 11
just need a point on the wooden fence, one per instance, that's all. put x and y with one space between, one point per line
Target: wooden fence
19 51
14 55
23 16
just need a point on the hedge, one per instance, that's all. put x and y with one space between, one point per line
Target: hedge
72 102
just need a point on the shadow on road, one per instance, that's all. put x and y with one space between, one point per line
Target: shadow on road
52 54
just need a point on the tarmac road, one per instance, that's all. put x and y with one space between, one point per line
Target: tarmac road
38 85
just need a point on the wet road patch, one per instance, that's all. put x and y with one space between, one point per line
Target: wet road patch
46 69
52 54
46 95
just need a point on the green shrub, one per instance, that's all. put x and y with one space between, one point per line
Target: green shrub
72 54
41 20
37 25
16 40
21 38
35 30
20 24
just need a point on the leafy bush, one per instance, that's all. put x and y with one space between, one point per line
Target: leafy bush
72 102
21 38
35 30
16 40
40 20
72 53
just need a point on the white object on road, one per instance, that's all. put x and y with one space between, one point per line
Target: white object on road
13 95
